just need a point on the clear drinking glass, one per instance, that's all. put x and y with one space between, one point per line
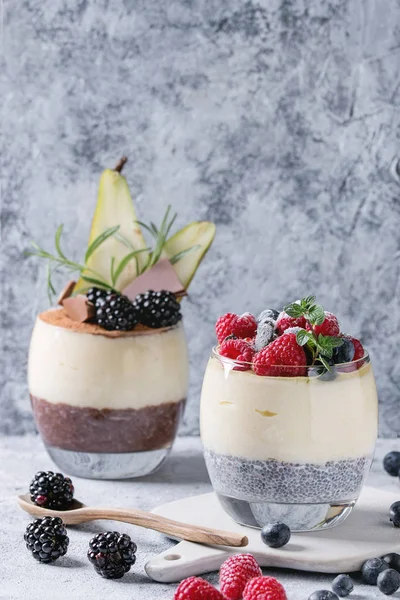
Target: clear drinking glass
107 404
290 449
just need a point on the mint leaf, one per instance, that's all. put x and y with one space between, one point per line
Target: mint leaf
309 301
294 310
303 337
327 341
316 314
325 363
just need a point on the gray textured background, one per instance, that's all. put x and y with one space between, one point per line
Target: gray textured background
279 120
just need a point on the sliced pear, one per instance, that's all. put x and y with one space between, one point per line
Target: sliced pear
115 207
198 233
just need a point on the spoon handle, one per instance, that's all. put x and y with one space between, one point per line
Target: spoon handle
183 531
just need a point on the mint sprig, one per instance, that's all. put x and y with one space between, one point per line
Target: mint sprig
320 346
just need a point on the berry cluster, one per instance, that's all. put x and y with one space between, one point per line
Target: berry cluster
116 312
301 340
240 577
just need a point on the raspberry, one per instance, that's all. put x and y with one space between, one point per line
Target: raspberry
237 350
281 358
330 326
284 322
195 588
224 326
245 326
359 351
264 588
235 572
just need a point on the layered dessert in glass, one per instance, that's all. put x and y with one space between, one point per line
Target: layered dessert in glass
108 368
289 417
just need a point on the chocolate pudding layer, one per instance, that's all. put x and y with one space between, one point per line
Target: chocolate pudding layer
87 429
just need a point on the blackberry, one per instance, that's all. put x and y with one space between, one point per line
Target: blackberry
158 309
275 535
112 554
51 490
95 294
47 539
116 313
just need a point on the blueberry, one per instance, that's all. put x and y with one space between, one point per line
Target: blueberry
391 463
323 595
389 582
394 513
372 568
269 313
344 353
275 535
321 372
265 334
392 560
342 585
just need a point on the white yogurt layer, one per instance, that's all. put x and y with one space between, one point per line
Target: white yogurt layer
81 369
293 419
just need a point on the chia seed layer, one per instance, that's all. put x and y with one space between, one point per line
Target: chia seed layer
85 429
283 482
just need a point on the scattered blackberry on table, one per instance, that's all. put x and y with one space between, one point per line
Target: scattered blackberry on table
342 585
112 554
393 560
116 313
371 570
275 535
47 539
323 595
51 490
95 294
394 513
391 463
389 581
157 309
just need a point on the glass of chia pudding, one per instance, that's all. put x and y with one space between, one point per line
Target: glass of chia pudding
106 403
288 437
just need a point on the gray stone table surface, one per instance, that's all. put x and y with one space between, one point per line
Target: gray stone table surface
72 577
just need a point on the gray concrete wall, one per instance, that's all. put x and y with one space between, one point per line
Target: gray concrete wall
279 120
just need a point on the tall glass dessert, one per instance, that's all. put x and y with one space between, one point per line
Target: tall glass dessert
288 417
108 369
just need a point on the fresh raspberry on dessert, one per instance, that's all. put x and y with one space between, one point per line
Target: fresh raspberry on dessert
195 588
224 326
245 326
235 572
264 588
359 351
281 358
330 326
237 350
284 322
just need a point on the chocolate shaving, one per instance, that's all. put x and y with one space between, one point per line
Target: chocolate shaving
162 276
66 292
78 308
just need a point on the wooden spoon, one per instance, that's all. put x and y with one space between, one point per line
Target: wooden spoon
79 513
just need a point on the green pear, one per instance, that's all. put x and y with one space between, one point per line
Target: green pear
115 208
187 248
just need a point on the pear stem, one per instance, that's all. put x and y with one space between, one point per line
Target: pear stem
120 165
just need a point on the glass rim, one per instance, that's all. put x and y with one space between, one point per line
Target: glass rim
233 361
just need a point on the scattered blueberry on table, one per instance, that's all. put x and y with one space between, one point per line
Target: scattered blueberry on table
275 535
389 581
323 595
391 463
342 585
371 570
